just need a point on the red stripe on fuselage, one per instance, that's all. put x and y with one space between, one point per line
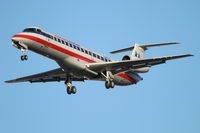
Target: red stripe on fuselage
48 44
63 50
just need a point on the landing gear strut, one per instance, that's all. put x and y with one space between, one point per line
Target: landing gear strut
23 57
70 89
109 80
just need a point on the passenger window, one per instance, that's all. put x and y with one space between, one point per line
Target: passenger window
66 43
82 49
102 58
94 55
58 40
78 48
63 42
86 51
75 46
55 38
47 35
106 60
90 53
51 37
98 56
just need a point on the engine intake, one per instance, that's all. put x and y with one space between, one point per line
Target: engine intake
128 57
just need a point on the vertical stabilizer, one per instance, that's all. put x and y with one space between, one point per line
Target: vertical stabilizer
138 52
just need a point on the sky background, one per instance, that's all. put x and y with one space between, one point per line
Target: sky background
166 101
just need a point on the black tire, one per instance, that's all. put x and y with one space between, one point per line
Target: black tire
112 84
69 90
25 57
107 84
73 89
22 58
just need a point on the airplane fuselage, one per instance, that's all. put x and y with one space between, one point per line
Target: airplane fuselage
71 57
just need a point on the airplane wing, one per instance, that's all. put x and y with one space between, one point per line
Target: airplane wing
120 66
49 76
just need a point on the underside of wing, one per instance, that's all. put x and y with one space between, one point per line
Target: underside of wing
49 76
120 66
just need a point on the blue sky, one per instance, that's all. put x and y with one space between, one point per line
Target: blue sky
167 100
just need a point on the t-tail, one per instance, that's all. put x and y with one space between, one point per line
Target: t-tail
138 52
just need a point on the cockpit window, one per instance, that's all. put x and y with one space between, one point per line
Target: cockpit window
33 30
38 30
29 30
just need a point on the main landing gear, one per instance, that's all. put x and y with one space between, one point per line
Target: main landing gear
109 84
70 89
109 80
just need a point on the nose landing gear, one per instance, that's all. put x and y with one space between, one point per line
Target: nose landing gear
22 47
24 57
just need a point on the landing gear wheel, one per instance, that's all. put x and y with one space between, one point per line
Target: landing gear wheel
112 84
73 89
69 90
107 84
24 57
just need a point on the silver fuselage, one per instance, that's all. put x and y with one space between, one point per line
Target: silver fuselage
72 60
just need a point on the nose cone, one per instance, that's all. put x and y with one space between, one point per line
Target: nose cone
15 39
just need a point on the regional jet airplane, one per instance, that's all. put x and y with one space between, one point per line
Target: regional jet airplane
78 63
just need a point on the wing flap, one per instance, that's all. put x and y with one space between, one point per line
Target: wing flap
53 73
49 76
54 79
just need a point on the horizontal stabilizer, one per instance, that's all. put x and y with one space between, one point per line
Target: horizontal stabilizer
144 46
